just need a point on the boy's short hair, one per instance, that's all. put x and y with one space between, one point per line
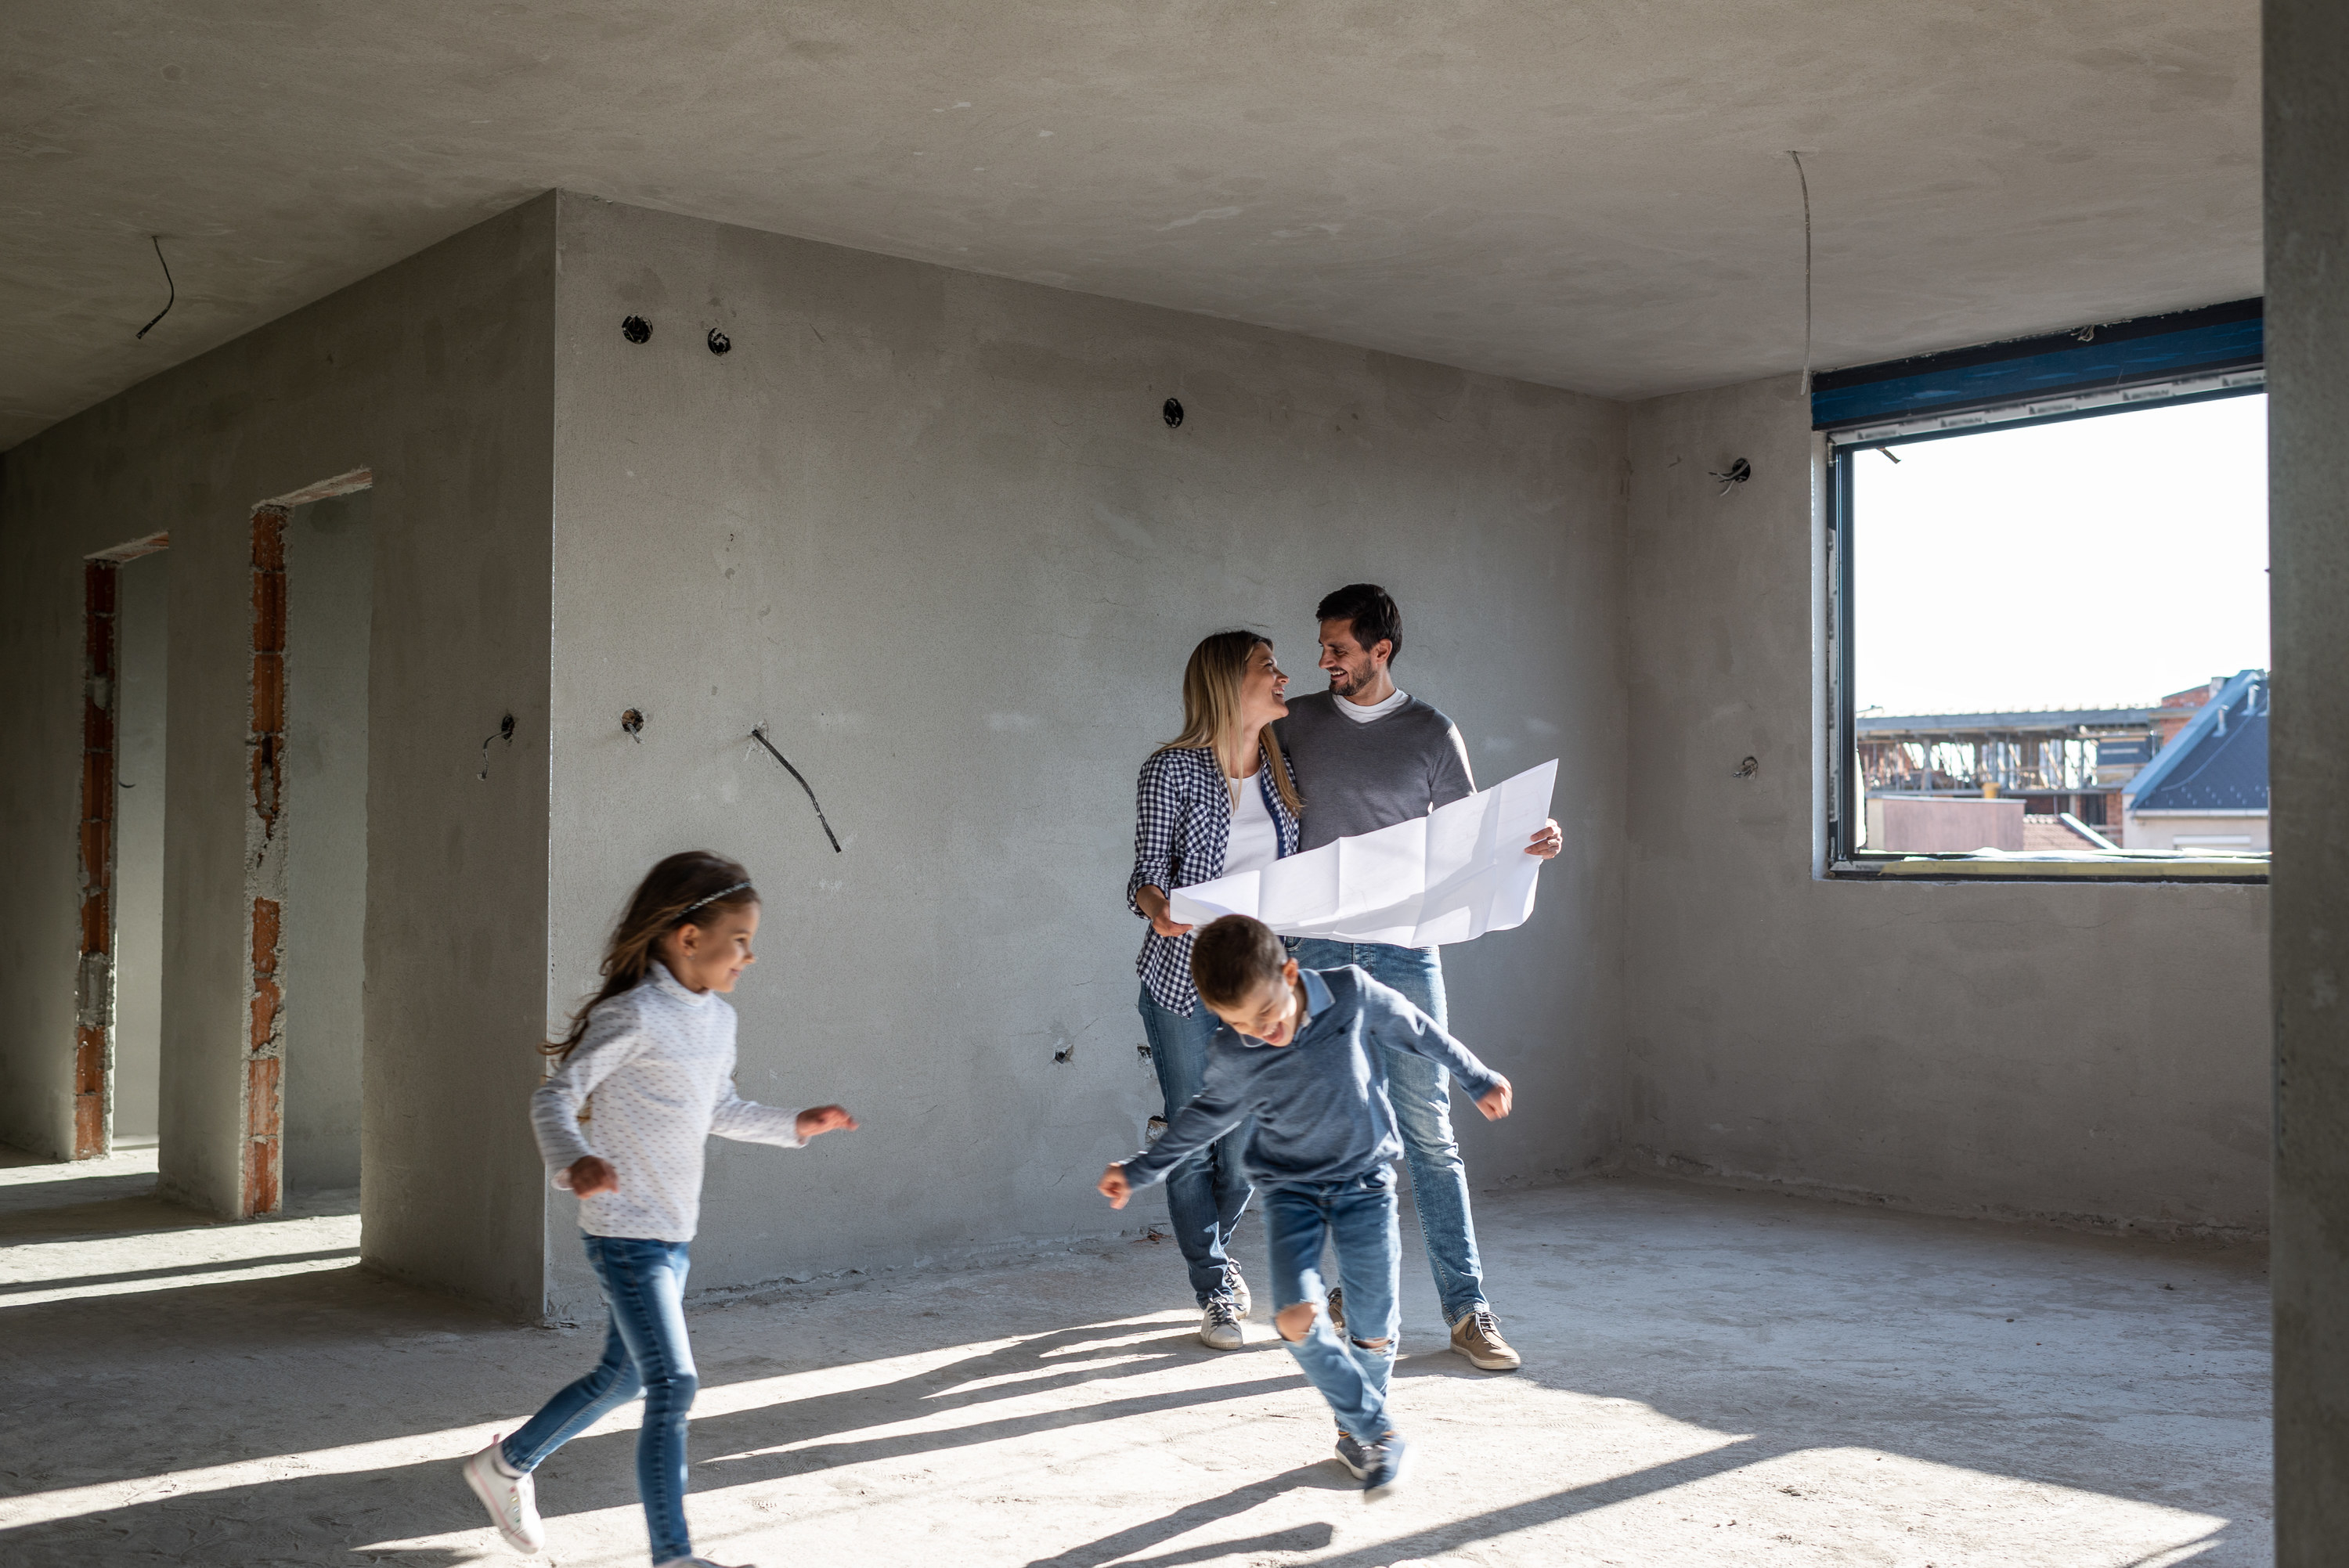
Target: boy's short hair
1371 609
1232 957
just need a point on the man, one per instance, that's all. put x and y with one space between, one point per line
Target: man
1368 756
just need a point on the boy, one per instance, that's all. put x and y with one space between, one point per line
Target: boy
1297 1053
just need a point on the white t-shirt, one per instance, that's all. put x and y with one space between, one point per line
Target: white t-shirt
1361 714
1255 842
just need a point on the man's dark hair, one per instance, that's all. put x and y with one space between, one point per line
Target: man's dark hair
1231 958
1374 614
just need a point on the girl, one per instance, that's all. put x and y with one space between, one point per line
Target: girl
655 1049
1217 801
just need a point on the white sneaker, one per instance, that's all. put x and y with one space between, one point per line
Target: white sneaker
1243 1303
1219 1326
511 1500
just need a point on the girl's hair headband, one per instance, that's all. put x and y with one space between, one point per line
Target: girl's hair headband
713 897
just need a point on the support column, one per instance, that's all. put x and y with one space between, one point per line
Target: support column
2307 173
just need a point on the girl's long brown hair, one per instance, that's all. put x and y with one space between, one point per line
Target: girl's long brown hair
1211 708
696 883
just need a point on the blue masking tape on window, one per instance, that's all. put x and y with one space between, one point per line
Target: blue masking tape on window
2153 348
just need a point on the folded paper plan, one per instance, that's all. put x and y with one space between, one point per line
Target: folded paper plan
1450 876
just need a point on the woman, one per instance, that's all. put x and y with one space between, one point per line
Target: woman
1216 800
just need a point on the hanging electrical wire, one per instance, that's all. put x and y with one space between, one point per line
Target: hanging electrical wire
759 735
157 241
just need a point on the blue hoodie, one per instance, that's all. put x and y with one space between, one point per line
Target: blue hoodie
1320 1103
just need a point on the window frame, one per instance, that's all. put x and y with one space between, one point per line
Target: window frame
1842 802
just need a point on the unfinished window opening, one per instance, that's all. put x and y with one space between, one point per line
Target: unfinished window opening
2048 611
306 833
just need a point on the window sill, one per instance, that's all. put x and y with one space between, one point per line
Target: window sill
2057 865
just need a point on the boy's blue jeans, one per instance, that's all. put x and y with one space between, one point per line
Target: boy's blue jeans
646 1352
1422 1093
1207 1193
1359 1217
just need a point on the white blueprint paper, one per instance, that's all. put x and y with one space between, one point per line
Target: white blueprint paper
1450 876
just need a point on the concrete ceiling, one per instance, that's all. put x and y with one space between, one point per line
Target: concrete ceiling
1594 195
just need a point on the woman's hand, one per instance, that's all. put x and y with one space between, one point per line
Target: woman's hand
1114 1187
590 1176
823 1119
1547 842
1495 1101
1153 904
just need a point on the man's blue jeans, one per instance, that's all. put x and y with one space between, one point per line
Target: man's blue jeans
1207 1193
646 1352
1421 1092
1359 1218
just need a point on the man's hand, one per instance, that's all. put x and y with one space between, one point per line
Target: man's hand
590 1176
1114 1187
1495 1101
823 1119
1547 842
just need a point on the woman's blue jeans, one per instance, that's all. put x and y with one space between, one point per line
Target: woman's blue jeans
1421 1094
1358 1219
1207 1193
646 1352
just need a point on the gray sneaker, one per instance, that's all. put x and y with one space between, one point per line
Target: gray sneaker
1383 1463
1336 1309
1350 1454
1219 1326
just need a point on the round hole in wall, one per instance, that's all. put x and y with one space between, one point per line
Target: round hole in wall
632 725
1174 412
637 329
718 342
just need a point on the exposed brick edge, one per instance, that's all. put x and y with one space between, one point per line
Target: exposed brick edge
94 979
262 1179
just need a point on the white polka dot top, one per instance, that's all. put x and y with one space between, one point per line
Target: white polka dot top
658 1066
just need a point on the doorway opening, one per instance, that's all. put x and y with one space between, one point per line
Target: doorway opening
118 1024
306 837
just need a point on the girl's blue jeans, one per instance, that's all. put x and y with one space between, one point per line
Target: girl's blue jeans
1359 1218
1207 1193
646 1352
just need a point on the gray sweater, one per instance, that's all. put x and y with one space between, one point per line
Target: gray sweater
1358 778
1320 1103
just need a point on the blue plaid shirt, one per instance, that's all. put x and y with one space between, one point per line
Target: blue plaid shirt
1182 825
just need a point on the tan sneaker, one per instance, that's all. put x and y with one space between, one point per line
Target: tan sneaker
1477 1335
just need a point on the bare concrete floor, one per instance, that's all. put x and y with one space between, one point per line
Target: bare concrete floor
1711 1379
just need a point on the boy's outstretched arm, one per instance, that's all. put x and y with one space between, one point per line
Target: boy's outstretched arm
1212 1112
1396 1021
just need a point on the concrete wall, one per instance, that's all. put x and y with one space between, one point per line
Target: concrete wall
436 375
329 572
932 528
2307 87
143 654
2088 1052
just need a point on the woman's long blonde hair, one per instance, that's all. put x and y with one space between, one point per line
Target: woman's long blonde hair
1211 708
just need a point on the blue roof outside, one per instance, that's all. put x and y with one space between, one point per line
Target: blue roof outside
2219 762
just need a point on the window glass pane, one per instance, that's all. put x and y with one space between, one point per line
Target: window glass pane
2039 614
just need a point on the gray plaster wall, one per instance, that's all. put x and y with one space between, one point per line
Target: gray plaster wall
330 571
436 374
933 528
142 609
2093 1053
2307 88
